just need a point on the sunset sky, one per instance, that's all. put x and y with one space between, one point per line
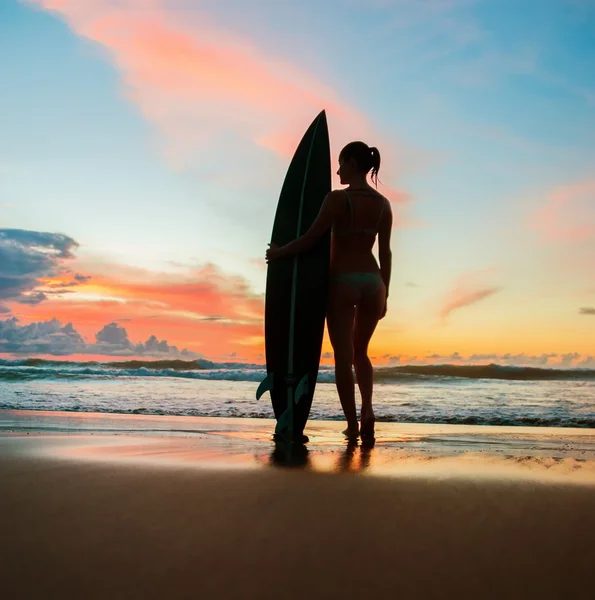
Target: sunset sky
143 144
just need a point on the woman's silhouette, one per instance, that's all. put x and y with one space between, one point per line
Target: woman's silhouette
358 286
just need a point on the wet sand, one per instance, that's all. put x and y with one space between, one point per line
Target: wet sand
231 516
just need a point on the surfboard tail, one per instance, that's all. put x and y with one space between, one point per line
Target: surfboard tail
302 388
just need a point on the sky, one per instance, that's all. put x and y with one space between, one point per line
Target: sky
144 144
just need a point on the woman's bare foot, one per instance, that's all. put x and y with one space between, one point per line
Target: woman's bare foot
368 421
352 432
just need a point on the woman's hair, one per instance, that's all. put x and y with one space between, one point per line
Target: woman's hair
367 158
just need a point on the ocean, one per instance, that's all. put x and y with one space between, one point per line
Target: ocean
450 394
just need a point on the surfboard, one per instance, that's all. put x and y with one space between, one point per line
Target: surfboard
297 287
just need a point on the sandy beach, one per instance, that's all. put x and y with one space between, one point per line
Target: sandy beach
220 512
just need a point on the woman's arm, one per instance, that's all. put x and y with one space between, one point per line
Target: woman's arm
321 224
384 251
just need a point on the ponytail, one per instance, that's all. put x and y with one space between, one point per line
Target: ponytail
375 158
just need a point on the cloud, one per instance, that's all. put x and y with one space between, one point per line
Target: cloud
462 298
58 291
113 340
205 87
113 334
33 298
210 311
76 281
53 338
32 272
482 357
195 79
588 362
545 360
204 293
56 244
567 215
569 358
455 357
392 360
48 337
467 290
587 310
26 257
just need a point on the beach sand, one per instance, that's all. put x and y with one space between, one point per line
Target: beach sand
220 513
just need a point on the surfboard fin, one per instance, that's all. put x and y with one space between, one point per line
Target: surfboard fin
284 424
266 385
302 388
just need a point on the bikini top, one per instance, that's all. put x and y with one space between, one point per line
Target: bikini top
353 229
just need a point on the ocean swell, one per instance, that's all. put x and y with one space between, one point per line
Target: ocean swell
34 369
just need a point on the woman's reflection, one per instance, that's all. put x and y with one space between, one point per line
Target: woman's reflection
349 460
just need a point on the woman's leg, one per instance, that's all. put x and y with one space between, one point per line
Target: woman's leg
367 315
339 320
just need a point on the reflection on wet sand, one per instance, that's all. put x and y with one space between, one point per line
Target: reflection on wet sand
349 460
290 455
400 450
352 461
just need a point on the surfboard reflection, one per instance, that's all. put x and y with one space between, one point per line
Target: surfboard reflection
354 457
286 454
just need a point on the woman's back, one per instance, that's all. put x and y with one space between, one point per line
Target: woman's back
355 229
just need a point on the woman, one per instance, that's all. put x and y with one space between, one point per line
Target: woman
358 287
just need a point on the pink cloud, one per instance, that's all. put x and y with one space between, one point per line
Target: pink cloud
193 78
199 83
468 289
568 215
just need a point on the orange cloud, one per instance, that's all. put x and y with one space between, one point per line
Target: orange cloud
568 215
205 311
467 290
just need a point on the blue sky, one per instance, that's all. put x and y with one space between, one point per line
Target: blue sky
156 135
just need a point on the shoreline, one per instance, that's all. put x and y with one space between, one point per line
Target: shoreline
400 449
17 416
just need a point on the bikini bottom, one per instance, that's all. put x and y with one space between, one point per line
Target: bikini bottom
368 282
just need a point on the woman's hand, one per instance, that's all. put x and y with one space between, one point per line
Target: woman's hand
273 252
